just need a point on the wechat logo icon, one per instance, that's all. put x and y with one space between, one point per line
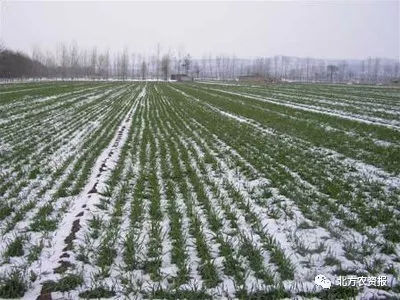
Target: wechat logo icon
322 281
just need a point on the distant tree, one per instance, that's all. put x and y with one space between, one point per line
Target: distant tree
210 66
124 63
74 60
177 64
218 65
233 69
165 66
331 69
18 65
93 62
204 66
84 64
258 66
267 68
276 66
133 67
308 61
285 61
69 61
362 75
179 61
51 65
196 70
342 69
143 70
104 64
152 70
376 70
64 60
158 61
187 61
38 56
396 71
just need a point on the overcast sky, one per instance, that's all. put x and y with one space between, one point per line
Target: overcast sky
322 29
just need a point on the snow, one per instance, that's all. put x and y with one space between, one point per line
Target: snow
109 157
393 124
259 217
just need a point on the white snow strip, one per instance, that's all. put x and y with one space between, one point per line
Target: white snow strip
109 157
392 124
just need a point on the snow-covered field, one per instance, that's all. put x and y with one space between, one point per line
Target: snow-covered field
168 190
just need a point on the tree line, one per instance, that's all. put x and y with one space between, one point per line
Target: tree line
70 62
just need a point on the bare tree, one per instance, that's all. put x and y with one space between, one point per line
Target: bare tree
93 62
187 61
276 64
332 69
37 56
197 70
50 63
105 66
143 70
204 66
74 59
307 69
342 70
64 60
158 61
285 60
234 61
133 67
69 61
178 62
165 65
396 71
376 70
218 64
124 63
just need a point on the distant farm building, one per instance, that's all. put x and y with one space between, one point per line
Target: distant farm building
181 77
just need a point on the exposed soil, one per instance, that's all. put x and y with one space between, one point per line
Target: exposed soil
64 255
69 239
